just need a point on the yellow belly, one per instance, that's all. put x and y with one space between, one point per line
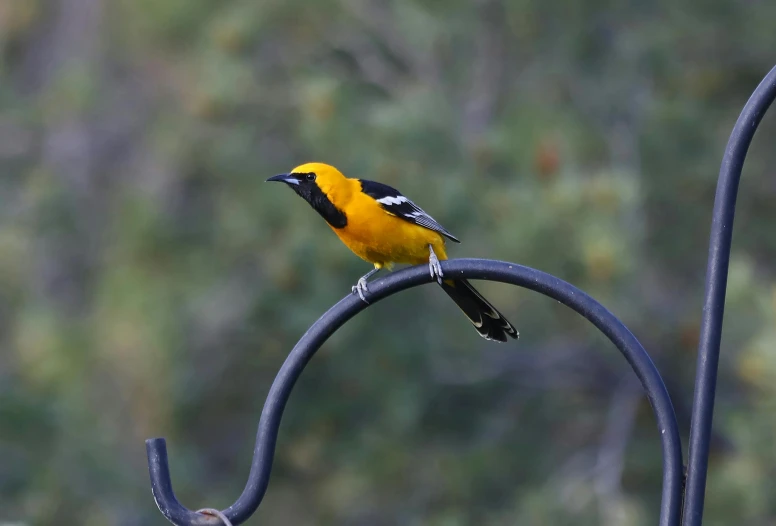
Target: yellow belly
385 239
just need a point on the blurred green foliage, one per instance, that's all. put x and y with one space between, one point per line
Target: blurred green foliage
151 284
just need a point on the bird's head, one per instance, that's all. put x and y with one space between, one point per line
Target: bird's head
307 179
321 185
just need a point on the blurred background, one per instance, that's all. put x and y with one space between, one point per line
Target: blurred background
151 284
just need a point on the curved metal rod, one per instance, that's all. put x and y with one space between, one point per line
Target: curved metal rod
714 303
351 305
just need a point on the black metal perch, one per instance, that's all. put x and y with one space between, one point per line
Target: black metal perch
351 305
606 322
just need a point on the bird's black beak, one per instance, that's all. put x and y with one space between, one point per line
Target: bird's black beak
284 178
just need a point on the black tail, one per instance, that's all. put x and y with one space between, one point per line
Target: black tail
486 319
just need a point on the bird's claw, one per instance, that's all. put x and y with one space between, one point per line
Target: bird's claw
361 289
434 268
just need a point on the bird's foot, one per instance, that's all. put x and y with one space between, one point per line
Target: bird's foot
361 289
434 268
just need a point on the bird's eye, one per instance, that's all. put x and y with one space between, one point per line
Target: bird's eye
310 177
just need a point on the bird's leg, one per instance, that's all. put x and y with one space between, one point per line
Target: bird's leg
360 287
434 268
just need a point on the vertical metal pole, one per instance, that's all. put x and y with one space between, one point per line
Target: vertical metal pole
714 303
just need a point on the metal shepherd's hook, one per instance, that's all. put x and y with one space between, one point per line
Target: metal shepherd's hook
606 322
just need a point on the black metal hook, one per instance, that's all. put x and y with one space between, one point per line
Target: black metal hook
714 303
705 383
351 305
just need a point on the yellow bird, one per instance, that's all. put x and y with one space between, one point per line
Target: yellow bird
383 227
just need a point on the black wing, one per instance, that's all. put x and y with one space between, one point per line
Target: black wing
396 204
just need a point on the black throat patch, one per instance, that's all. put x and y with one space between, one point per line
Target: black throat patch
310 192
